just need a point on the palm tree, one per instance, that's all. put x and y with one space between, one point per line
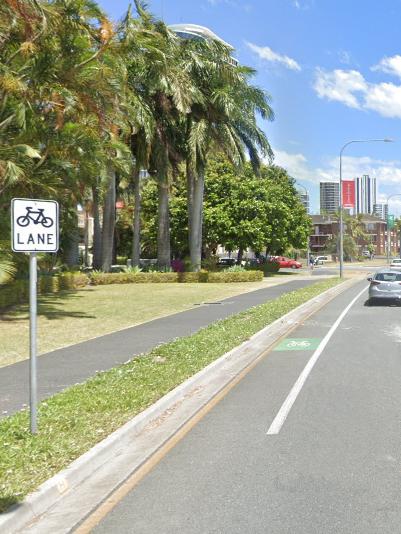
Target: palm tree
58 115
225 120
163 92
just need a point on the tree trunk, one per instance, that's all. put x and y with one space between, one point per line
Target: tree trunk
136 224
190 197
240 256
109 221
163 231
71 252
97 231
195 234
86 236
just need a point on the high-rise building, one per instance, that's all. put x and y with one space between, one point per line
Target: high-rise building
304 198
381 211
366 193
329 197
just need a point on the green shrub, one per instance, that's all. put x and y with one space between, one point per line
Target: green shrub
72 280
14 293
48 283
134 269
17 291
267 268
99 278
210 264
244 276
235 269
188 277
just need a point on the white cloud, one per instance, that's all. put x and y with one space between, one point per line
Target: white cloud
296 165
389 65
340 85
351 88
385 98
394 203
267 54
387 172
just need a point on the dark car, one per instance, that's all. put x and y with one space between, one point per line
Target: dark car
226 262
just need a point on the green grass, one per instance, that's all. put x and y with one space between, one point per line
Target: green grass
74 316
73 421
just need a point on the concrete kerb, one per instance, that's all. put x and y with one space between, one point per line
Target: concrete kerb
230 364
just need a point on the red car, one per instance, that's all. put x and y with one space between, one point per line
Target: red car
287 262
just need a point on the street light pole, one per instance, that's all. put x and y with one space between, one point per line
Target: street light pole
341 196
388 229
308 239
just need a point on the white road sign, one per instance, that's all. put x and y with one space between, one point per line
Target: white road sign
34 225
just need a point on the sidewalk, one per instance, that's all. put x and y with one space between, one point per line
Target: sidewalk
62 368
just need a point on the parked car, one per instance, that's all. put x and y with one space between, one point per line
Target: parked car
385 284
320 260
287 262
396 263
366 253
226 262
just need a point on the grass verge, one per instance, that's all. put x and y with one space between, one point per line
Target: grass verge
75 420
90 312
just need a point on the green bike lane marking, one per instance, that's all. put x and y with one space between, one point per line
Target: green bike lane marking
298 343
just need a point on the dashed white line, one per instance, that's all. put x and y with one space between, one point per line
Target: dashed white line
282 414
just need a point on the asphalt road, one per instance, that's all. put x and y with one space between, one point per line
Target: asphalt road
334 466
62 368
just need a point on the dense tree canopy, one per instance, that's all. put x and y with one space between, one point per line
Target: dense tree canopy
87 105
241 210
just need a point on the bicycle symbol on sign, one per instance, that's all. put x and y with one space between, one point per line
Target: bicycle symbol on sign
35 216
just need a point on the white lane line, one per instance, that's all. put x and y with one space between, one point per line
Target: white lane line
282 414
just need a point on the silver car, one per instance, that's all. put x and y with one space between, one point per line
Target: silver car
396 263
385 284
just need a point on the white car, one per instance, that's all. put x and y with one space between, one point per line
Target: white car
321 260
396 263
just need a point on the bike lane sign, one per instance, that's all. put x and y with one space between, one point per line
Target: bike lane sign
35 225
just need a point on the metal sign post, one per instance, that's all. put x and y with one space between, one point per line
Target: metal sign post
35 229
33 382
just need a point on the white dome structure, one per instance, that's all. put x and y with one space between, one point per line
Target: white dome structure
194 31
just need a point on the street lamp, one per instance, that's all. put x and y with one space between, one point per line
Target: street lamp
307 242
341 196
388 229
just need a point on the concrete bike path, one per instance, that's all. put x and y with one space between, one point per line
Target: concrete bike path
64 367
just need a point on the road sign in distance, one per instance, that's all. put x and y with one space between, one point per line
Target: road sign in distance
390 221
34 225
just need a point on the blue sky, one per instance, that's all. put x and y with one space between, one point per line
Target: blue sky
333 70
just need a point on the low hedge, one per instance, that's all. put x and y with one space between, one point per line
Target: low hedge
14 293
98 279
17 292
239 276
267 268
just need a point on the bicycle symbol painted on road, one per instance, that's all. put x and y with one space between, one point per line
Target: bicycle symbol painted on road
302 344
298 344
35 216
